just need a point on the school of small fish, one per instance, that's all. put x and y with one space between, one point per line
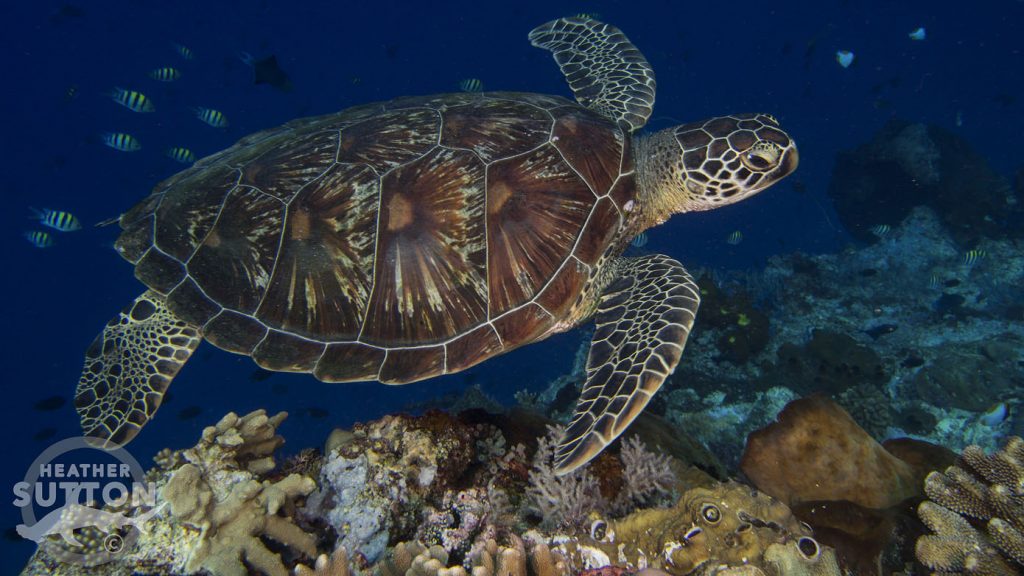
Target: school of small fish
138 101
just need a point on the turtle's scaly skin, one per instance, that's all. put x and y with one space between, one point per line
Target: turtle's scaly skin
395 241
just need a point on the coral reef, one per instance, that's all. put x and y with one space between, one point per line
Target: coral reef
217 508
907 165
983 490
743 329
725 526
375 479
836 458
334 565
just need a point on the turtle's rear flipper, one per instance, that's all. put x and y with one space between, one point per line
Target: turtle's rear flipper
604 69
642 323
128 368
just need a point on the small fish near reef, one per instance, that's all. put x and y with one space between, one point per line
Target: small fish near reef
121 141
881 230
39 239
918 34
270 260
735 238
165 74
995 415
972 257
471 85
844 58
640 240
212 117
181 154
132 100
57 219
183 51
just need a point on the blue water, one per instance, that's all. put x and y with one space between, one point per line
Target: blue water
710 58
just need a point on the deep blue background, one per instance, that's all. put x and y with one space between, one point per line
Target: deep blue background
710 58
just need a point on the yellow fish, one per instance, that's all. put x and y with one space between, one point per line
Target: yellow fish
57 219
121 141
972 256
165 74
183 51
132 100
39 239
180 154
212 117
734 238
471 85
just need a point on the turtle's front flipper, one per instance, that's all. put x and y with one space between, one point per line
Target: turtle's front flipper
643 320
129 366
604 69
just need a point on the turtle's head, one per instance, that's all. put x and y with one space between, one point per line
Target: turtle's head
723 160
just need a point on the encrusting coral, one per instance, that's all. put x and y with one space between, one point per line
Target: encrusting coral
987 490
710 529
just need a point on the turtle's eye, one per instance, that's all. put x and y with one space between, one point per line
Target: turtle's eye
808 547
762 157
711 513
598 529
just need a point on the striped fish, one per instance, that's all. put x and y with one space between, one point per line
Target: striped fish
165 74
39 239
132 100
57 219
212 117
640 240
183 51
735 238
973 256
121 141
881 230
180 154
471 85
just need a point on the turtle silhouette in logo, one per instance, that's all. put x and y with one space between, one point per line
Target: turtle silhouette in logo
403 240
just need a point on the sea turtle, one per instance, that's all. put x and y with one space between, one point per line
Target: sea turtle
403 240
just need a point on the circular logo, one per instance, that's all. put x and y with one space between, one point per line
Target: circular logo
92 525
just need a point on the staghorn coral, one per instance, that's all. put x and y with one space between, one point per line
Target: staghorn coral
710 529
982 489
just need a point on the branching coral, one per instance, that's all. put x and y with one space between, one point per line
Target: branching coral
218 491
985 489
566 500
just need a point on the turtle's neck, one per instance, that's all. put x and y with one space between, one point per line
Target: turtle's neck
658 174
